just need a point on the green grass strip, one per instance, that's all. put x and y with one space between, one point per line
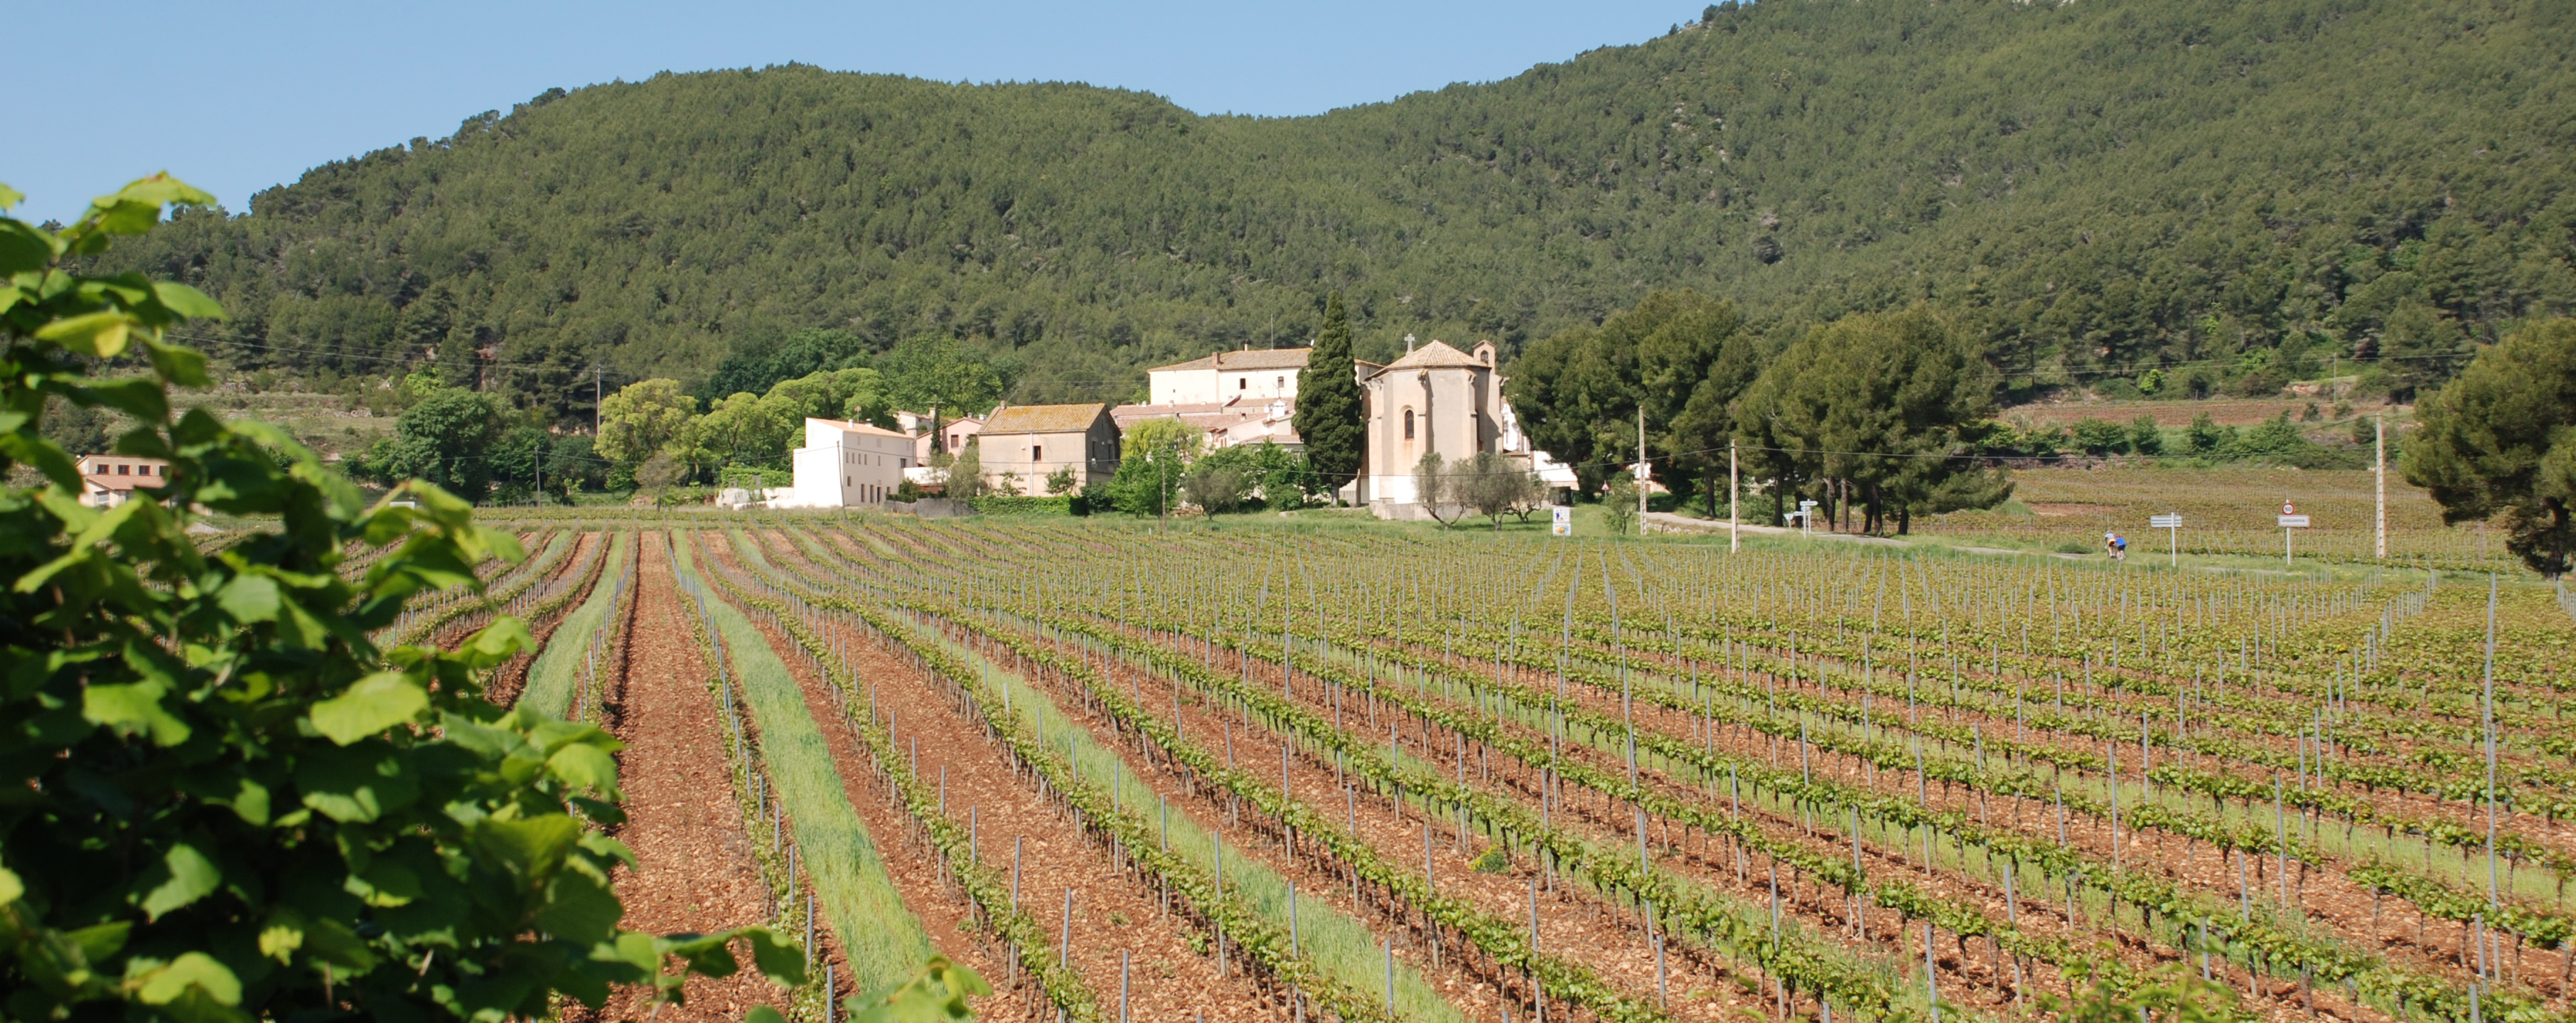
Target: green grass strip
1339 945
990 889
552 678
882 939
1340 948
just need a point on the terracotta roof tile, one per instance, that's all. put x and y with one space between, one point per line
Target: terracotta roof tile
1437 355
1202 362
1256 358
1264 358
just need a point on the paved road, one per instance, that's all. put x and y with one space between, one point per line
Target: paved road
1669 522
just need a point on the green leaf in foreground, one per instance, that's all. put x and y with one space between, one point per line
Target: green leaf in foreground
231 805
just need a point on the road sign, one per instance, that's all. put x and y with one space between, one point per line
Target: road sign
2171 523
1561 522
2290 519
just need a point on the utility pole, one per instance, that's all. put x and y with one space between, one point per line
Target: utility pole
2379 482
1641 470
596 402
2487 711
1734 497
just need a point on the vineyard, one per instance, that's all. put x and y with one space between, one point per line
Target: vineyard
1277 773
2229 511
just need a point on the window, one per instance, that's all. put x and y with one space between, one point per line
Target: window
1243 383
1408 424
124 470
1278 381
1036 452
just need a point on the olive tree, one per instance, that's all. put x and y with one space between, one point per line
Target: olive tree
1436 487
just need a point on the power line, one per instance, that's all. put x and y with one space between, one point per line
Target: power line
245 342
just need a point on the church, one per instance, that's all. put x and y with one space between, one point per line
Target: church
1436 399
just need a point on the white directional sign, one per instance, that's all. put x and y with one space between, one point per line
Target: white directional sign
2171 523
2290 519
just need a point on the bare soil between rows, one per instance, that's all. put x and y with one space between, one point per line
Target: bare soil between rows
695 869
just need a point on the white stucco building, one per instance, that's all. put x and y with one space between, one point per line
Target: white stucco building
1250 376
846 465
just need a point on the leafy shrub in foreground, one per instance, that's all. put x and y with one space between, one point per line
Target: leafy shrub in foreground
226 803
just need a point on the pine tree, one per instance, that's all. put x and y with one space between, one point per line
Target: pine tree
2502 439
1328 401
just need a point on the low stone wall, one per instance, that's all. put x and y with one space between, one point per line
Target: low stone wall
930 508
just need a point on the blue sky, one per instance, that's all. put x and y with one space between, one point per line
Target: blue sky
237 97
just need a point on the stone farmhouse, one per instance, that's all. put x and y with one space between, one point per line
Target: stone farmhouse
1022 445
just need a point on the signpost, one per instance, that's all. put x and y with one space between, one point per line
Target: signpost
1807 518
1562 522
2290 519
2171 523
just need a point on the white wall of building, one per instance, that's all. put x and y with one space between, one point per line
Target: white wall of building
1181 386
1256 384
846 465
1245 376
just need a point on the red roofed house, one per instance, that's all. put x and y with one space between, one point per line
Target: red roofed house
950 438
111 480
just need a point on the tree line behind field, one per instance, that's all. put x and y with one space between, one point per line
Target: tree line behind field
2167 198
1878 417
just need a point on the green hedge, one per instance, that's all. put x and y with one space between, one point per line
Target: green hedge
1009 504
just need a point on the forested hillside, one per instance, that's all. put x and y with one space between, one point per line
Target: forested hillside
2231 192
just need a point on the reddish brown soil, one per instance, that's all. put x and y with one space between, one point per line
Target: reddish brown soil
1169 977
1321 880
910 863
2209 719
1113 911
1975 977
511 679
2326 895
1574 922
695 867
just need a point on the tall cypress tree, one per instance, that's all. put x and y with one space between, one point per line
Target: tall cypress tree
1328 416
